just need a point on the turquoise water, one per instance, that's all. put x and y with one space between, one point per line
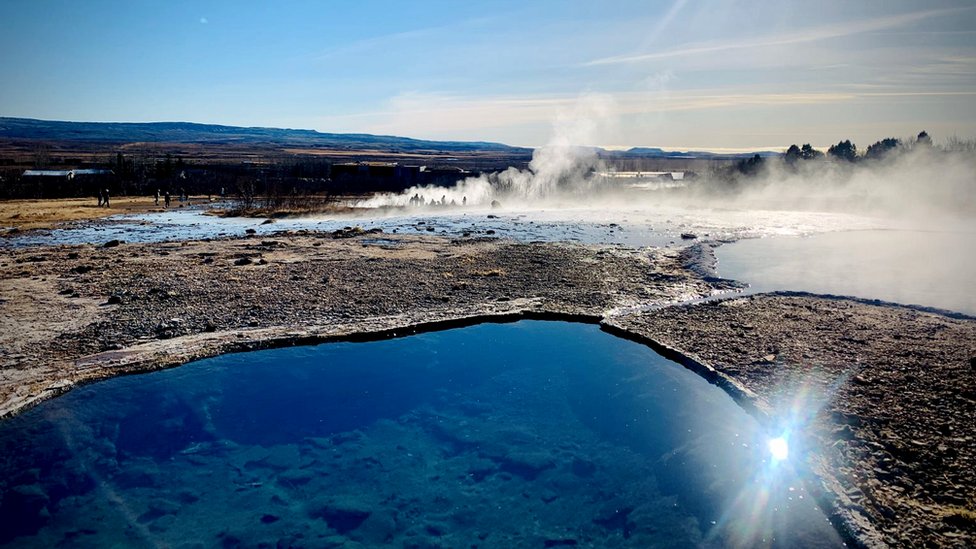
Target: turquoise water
530 434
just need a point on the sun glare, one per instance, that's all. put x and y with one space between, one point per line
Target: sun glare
779 448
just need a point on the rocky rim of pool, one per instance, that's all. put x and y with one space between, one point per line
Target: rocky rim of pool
882 391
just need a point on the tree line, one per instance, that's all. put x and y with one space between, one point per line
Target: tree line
844 152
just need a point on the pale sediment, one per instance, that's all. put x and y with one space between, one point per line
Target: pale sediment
889 390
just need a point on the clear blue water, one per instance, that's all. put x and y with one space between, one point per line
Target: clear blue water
531 434
929 268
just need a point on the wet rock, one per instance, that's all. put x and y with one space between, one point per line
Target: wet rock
114 299
82 269
241 261
688 236
267 221
112 243
350 232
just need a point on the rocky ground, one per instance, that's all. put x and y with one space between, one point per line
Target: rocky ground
886 393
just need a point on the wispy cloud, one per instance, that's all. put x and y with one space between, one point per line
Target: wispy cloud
387 40
436 115
814 34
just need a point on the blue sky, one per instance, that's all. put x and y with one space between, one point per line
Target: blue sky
680 74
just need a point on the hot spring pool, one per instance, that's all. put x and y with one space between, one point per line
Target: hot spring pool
531 434
929 268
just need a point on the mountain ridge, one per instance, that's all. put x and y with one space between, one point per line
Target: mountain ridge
216 134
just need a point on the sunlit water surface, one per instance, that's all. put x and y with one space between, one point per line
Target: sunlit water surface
639 226
930 268
533 434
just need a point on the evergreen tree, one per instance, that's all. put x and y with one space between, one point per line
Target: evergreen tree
881 149
845 150
807 152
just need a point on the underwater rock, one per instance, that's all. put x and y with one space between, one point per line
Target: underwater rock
378 528
136 477
23 511
527 465
583 468
294 478
341 514
282 457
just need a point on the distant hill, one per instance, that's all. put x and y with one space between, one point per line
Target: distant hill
187 132
212 134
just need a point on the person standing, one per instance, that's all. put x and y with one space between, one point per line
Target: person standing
157 197
106 198
101 198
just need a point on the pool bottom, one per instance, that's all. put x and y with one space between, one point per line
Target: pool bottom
527 434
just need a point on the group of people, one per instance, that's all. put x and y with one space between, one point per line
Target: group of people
417 200
183 197
166 199
103 198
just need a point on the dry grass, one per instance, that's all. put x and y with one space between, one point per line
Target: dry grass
43 213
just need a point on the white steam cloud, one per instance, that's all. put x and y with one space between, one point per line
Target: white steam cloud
914 181
559 172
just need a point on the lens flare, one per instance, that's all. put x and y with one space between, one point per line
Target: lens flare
779 448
